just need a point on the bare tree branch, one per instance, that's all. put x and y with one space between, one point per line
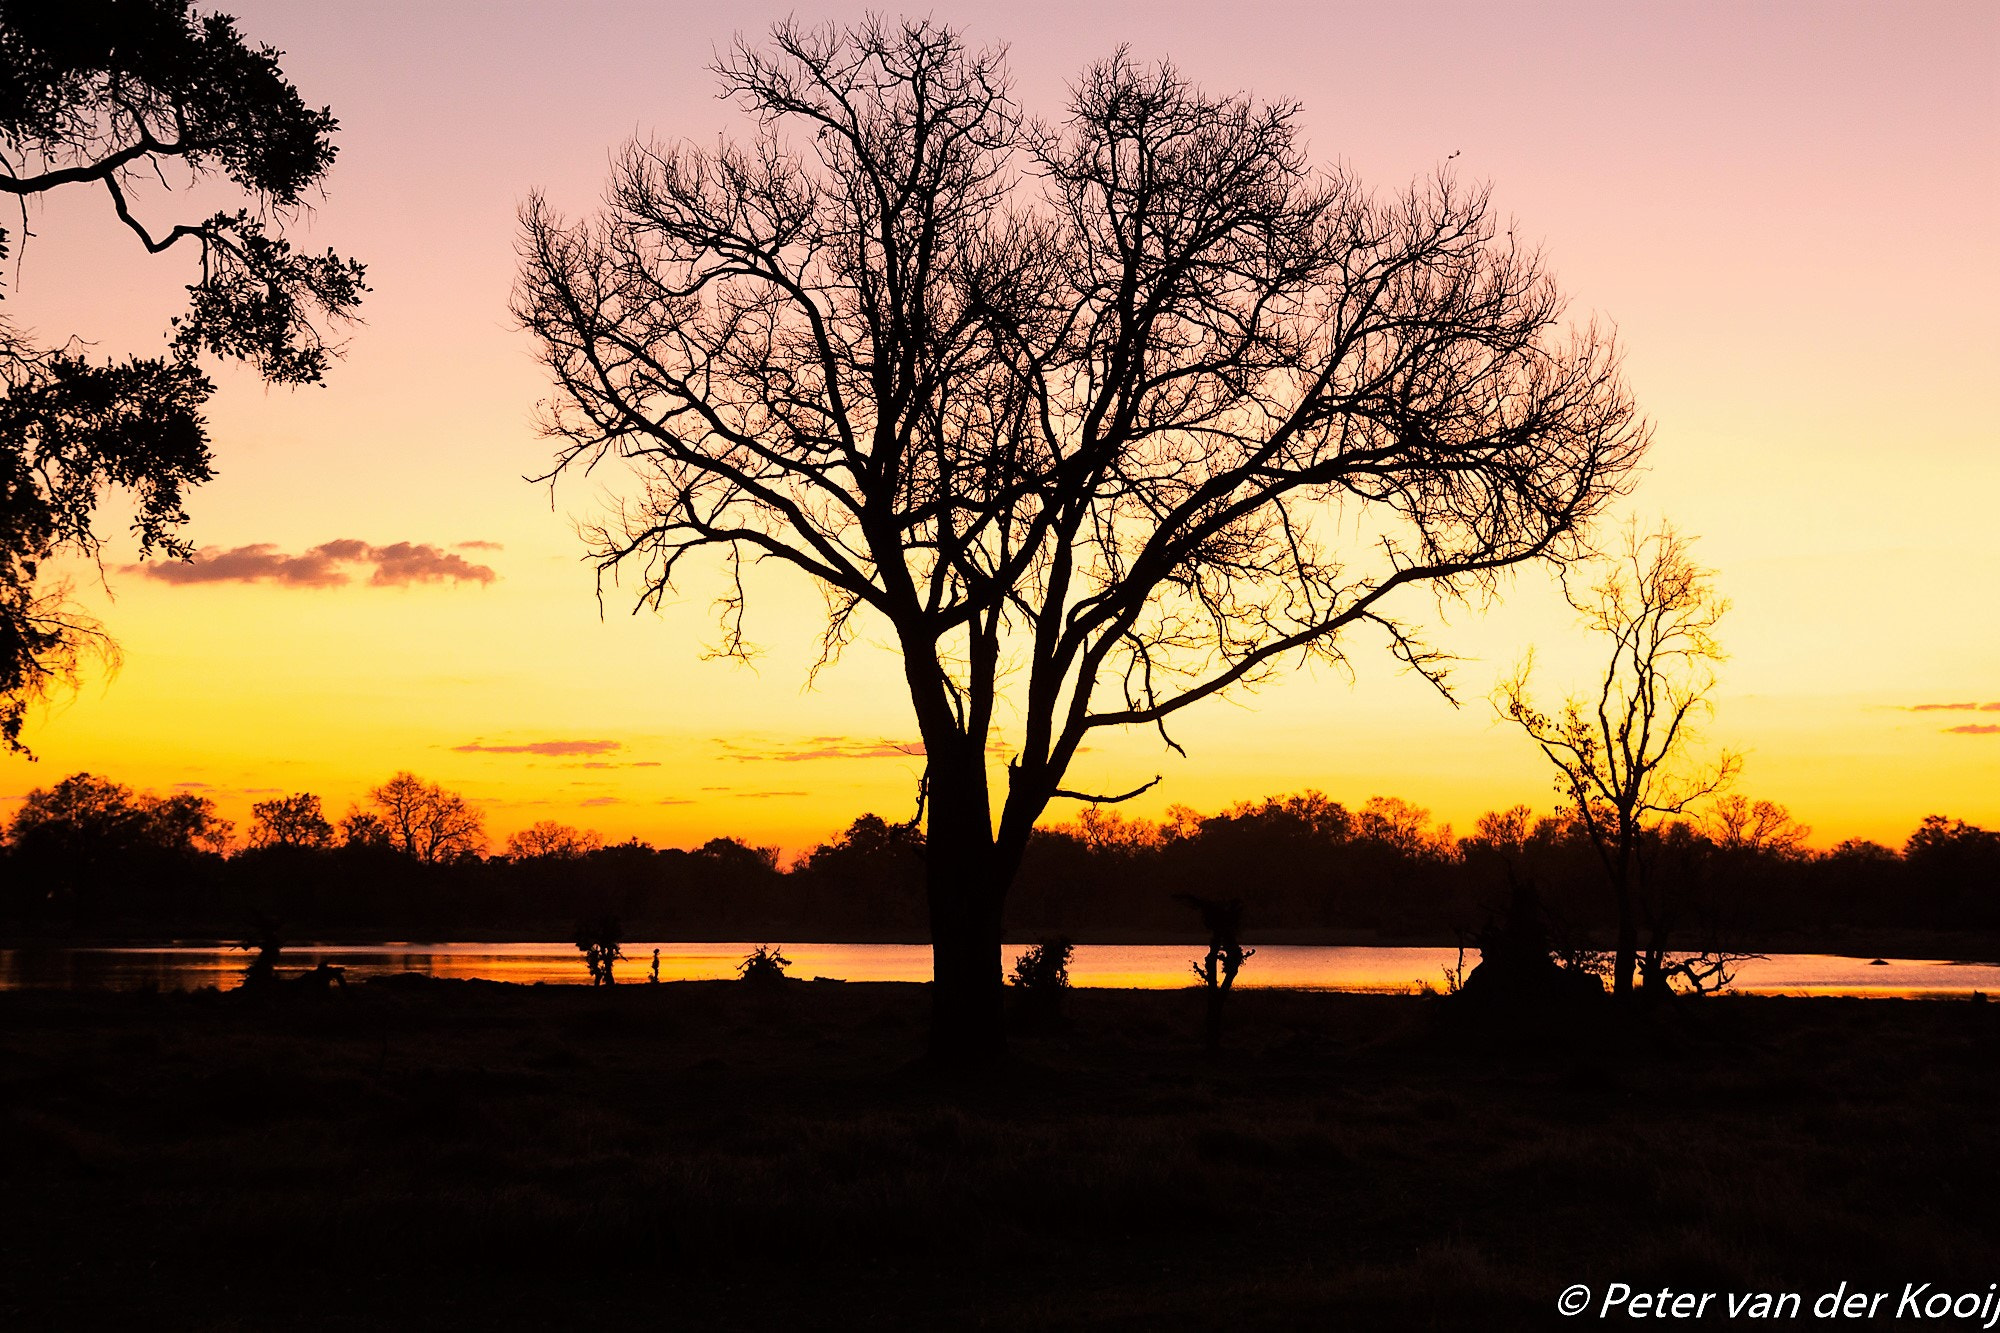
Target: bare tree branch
1102 416
1623 756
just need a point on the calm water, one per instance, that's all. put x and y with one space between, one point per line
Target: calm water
1142 966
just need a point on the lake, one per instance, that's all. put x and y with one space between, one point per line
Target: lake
1139 966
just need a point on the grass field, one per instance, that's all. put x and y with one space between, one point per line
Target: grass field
417 1153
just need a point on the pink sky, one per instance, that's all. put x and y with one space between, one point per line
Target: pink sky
1791 212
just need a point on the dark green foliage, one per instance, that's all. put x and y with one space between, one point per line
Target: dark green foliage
106 94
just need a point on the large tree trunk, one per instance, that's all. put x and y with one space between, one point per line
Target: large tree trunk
1627 959
1654 978
966 882
967 1014
1618 866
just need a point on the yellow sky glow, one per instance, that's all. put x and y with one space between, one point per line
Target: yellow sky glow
1792 216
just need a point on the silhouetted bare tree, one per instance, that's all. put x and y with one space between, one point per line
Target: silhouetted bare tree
1623 756
547 838
290 821
1102 417
423 820
1736 823
119 96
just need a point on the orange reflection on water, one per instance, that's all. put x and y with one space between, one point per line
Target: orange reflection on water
1133 966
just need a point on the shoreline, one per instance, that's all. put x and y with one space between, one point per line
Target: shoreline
1978 948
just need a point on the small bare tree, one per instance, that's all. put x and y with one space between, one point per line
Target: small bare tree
1623 756
1101 417
546 839
1223 920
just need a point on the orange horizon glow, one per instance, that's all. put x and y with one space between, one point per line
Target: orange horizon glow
1793 218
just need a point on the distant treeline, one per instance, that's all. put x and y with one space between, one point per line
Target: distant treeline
91 858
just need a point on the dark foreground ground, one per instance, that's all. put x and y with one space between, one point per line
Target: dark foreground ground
420 1154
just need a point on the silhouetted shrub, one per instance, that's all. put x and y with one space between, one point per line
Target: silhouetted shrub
1523 960
1041 975
601 941
1225 958
266 942
1044 967
763 965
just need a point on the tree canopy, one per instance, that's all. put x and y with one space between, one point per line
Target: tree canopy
1102 415
422 820
290 821
119 95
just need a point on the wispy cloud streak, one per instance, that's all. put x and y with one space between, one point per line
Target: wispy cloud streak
542 748
821 747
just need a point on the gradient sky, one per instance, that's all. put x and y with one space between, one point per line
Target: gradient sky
1791 212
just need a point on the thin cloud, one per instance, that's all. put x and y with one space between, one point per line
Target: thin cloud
544 748
1955 708
766 795
821 747
602 800
676 800
835 747
477 546
329 565
1975 729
